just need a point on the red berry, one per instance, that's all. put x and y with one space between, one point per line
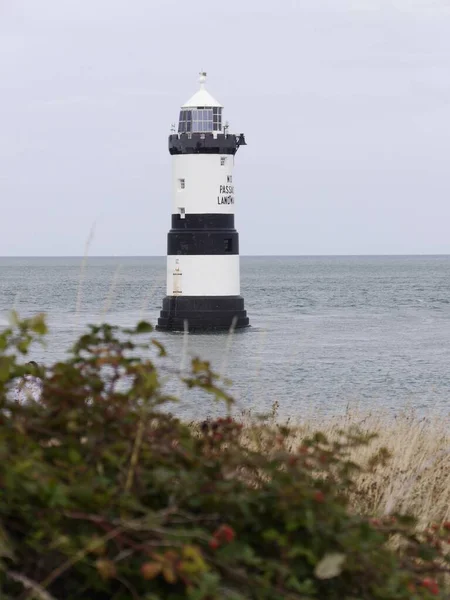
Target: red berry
319 496
214 544
225 533
447 525
431 586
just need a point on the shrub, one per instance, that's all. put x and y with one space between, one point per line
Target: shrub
105 495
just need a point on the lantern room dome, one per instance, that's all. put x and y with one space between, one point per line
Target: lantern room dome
202 98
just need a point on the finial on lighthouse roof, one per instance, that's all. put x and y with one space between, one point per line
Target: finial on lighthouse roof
202 98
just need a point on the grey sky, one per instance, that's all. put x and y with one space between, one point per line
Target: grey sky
345 105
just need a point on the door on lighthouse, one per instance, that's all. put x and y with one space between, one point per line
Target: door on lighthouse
177 276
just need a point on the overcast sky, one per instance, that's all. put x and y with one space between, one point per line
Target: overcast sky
345 105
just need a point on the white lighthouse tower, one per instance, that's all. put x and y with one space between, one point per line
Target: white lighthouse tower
203 283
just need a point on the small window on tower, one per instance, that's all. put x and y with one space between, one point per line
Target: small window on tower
227 244
223 161
181 184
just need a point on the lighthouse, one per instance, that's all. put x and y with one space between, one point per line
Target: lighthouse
203 281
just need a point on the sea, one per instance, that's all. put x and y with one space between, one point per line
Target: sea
327 334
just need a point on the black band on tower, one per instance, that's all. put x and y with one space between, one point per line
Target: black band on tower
202 242
203 313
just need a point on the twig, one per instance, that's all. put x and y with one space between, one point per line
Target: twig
77 557
184 348
129 587
124 554
30 585
112 287
82 269
258 382
227 347
16 301
135 455
151 289
139 524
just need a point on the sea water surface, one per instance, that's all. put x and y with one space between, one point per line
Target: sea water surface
327 332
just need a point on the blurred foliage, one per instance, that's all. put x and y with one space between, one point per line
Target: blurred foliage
105 495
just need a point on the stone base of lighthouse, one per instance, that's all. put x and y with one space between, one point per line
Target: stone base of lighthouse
202 313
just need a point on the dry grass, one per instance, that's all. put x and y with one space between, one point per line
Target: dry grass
416 479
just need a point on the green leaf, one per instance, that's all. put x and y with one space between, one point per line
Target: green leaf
162 350
74 456
5 365
23 346
38 325
303 587
143 327
307 553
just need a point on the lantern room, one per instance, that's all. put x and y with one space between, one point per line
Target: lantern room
201 113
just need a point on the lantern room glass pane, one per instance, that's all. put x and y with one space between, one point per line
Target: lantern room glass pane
185 121
201 120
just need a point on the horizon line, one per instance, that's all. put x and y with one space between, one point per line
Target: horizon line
356 255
